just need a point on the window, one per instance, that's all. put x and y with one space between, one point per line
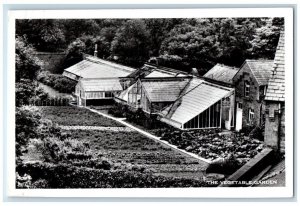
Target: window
247 89
240 105
109 94
251 115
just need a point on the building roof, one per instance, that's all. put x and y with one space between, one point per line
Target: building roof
164 89
261 70
93 67
276 85
222 73
159 74
124 94
96 85
194 102
149 70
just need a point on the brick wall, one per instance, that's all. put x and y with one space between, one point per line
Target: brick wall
251 102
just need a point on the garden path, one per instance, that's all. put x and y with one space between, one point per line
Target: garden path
114 129
147 134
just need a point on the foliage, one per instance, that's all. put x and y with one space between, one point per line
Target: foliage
257 133
225 166
26 63
44 34
66 176
192 44
265 39
74 53
76 116
27 122
25 89
131 150
130 44
205 42
57 82
75 28
181 43
210 144
118 110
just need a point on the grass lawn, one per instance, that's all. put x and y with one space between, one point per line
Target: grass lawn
134 148
76 116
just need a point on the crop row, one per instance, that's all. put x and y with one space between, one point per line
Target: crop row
136 149
76 116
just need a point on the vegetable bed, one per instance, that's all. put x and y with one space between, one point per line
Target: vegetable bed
212 144
76 116
136 149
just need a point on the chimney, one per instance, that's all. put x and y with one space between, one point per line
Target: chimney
95 52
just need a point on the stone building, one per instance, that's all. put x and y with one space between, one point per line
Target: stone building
250 84
275 101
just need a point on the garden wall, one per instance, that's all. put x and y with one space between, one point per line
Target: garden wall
52 60
252 168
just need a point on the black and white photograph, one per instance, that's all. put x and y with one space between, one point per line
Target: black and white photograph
151 102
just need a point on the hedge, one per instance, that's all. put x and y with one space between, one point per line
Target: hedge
68 176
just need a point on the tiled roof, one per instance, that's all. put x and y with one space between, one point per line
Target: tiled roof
164 89
222 73
276 85
94 85
195 102
261 70
93 67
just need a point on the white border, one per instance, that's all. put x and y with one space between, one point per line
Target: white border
257 192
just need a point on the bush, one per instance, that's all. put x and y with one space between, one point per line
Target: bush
57 81
139 117
27 121
67 176
24 92
247 129
118 110
257 133
224 166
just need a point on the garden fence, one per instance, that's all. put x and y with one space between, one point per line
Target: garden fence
50 102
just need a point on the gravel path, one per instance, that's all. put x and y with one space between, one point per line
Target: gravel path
114 129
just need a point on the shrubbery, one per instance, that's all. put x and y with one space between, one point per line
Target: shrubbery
224 166
57 82
67 176
118 110
27 122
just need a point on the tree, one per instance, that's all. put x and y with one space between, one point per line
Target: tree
233 37
43 34
202 43
26 63
266 38
130 45
193 44
74 53
158 30
76 28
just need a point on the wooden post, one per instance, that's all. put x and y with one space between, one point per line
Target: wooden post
208 116
221 114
